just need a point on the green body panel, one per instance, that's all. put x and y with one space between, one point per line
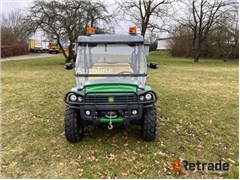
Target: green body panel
110 87
103 87
106 120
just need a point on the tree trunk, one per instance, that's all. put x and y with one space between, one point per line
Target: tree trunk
61 47
68 59
226 57
70 53
196 58
74 57
196 55
70 50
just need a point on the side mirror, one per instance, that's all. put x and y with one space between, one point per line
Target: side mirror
153 65
68 66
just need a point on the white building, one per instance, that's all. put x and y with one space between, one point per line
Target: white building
162 44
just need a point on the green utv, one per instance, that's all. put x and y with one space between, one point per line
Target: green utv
111 91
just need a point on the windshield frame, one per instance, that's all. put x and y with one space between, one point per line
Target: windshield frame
84 61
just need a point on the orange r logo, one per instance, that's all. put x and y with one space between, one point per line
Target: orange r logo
176 165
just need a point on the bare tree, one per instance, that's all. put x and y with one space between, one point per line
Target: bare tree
7 37
145 14
180 41
201 18
228 33
13 30
66 19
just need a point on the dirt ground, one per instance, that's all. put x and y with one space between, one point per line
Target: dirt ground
29 56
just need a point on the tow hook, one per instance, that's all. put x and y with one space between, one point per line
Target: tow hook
110 126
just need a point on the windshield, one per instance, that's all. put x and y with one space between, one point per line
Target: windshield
110 62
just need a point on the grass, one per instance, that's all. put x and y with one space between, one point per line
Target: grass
197 121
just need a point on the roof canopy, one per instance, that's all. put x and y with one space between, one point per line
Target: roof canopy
111 38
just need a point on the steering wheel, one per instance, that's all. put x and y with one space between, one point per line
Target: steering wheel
125 77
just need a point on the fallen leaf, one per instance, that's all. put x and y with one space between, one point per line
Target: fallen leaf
232 161
5 164
74 163
91 158
110 156
125 173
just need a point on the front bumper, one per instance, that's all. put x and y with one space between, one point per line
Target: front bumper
96 103
94 119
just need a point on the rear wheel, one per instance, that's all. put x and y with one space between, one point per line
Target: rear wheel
73 130
149 126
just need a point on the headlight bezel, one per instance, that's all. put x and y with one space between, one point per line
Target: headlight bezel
75 98
147 96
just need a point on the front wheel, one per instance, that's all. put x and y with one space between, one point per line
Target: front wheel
149 126
73 129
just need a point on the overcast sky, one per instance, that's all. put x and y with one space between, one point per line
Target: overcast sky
9 5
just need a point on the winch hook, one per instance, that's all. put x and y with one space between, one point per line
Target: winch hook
110 126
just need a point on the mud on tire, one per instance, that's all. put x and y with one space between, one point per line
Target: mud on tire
149 126
73 130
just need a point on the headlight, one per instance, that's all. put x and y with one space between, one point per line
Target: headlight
80 98
148 96
73 97
141 98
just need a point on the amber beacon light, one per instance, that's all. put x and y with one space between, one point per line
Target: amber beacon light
90 30
132 30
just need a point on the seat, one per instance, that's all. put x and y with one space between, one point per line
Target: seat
108 68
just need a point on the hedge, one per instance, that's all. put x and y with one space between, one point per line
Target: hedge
14 50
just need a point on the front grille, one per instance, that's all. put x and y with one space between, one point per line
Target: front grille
123 97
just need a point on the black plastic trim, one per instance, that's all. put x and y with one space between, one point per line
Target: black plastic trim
83 102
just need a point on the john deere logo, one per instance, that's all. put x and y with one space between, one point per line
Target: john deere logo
111 99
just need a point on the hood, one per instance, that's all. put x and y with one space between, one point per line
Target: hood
111 87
